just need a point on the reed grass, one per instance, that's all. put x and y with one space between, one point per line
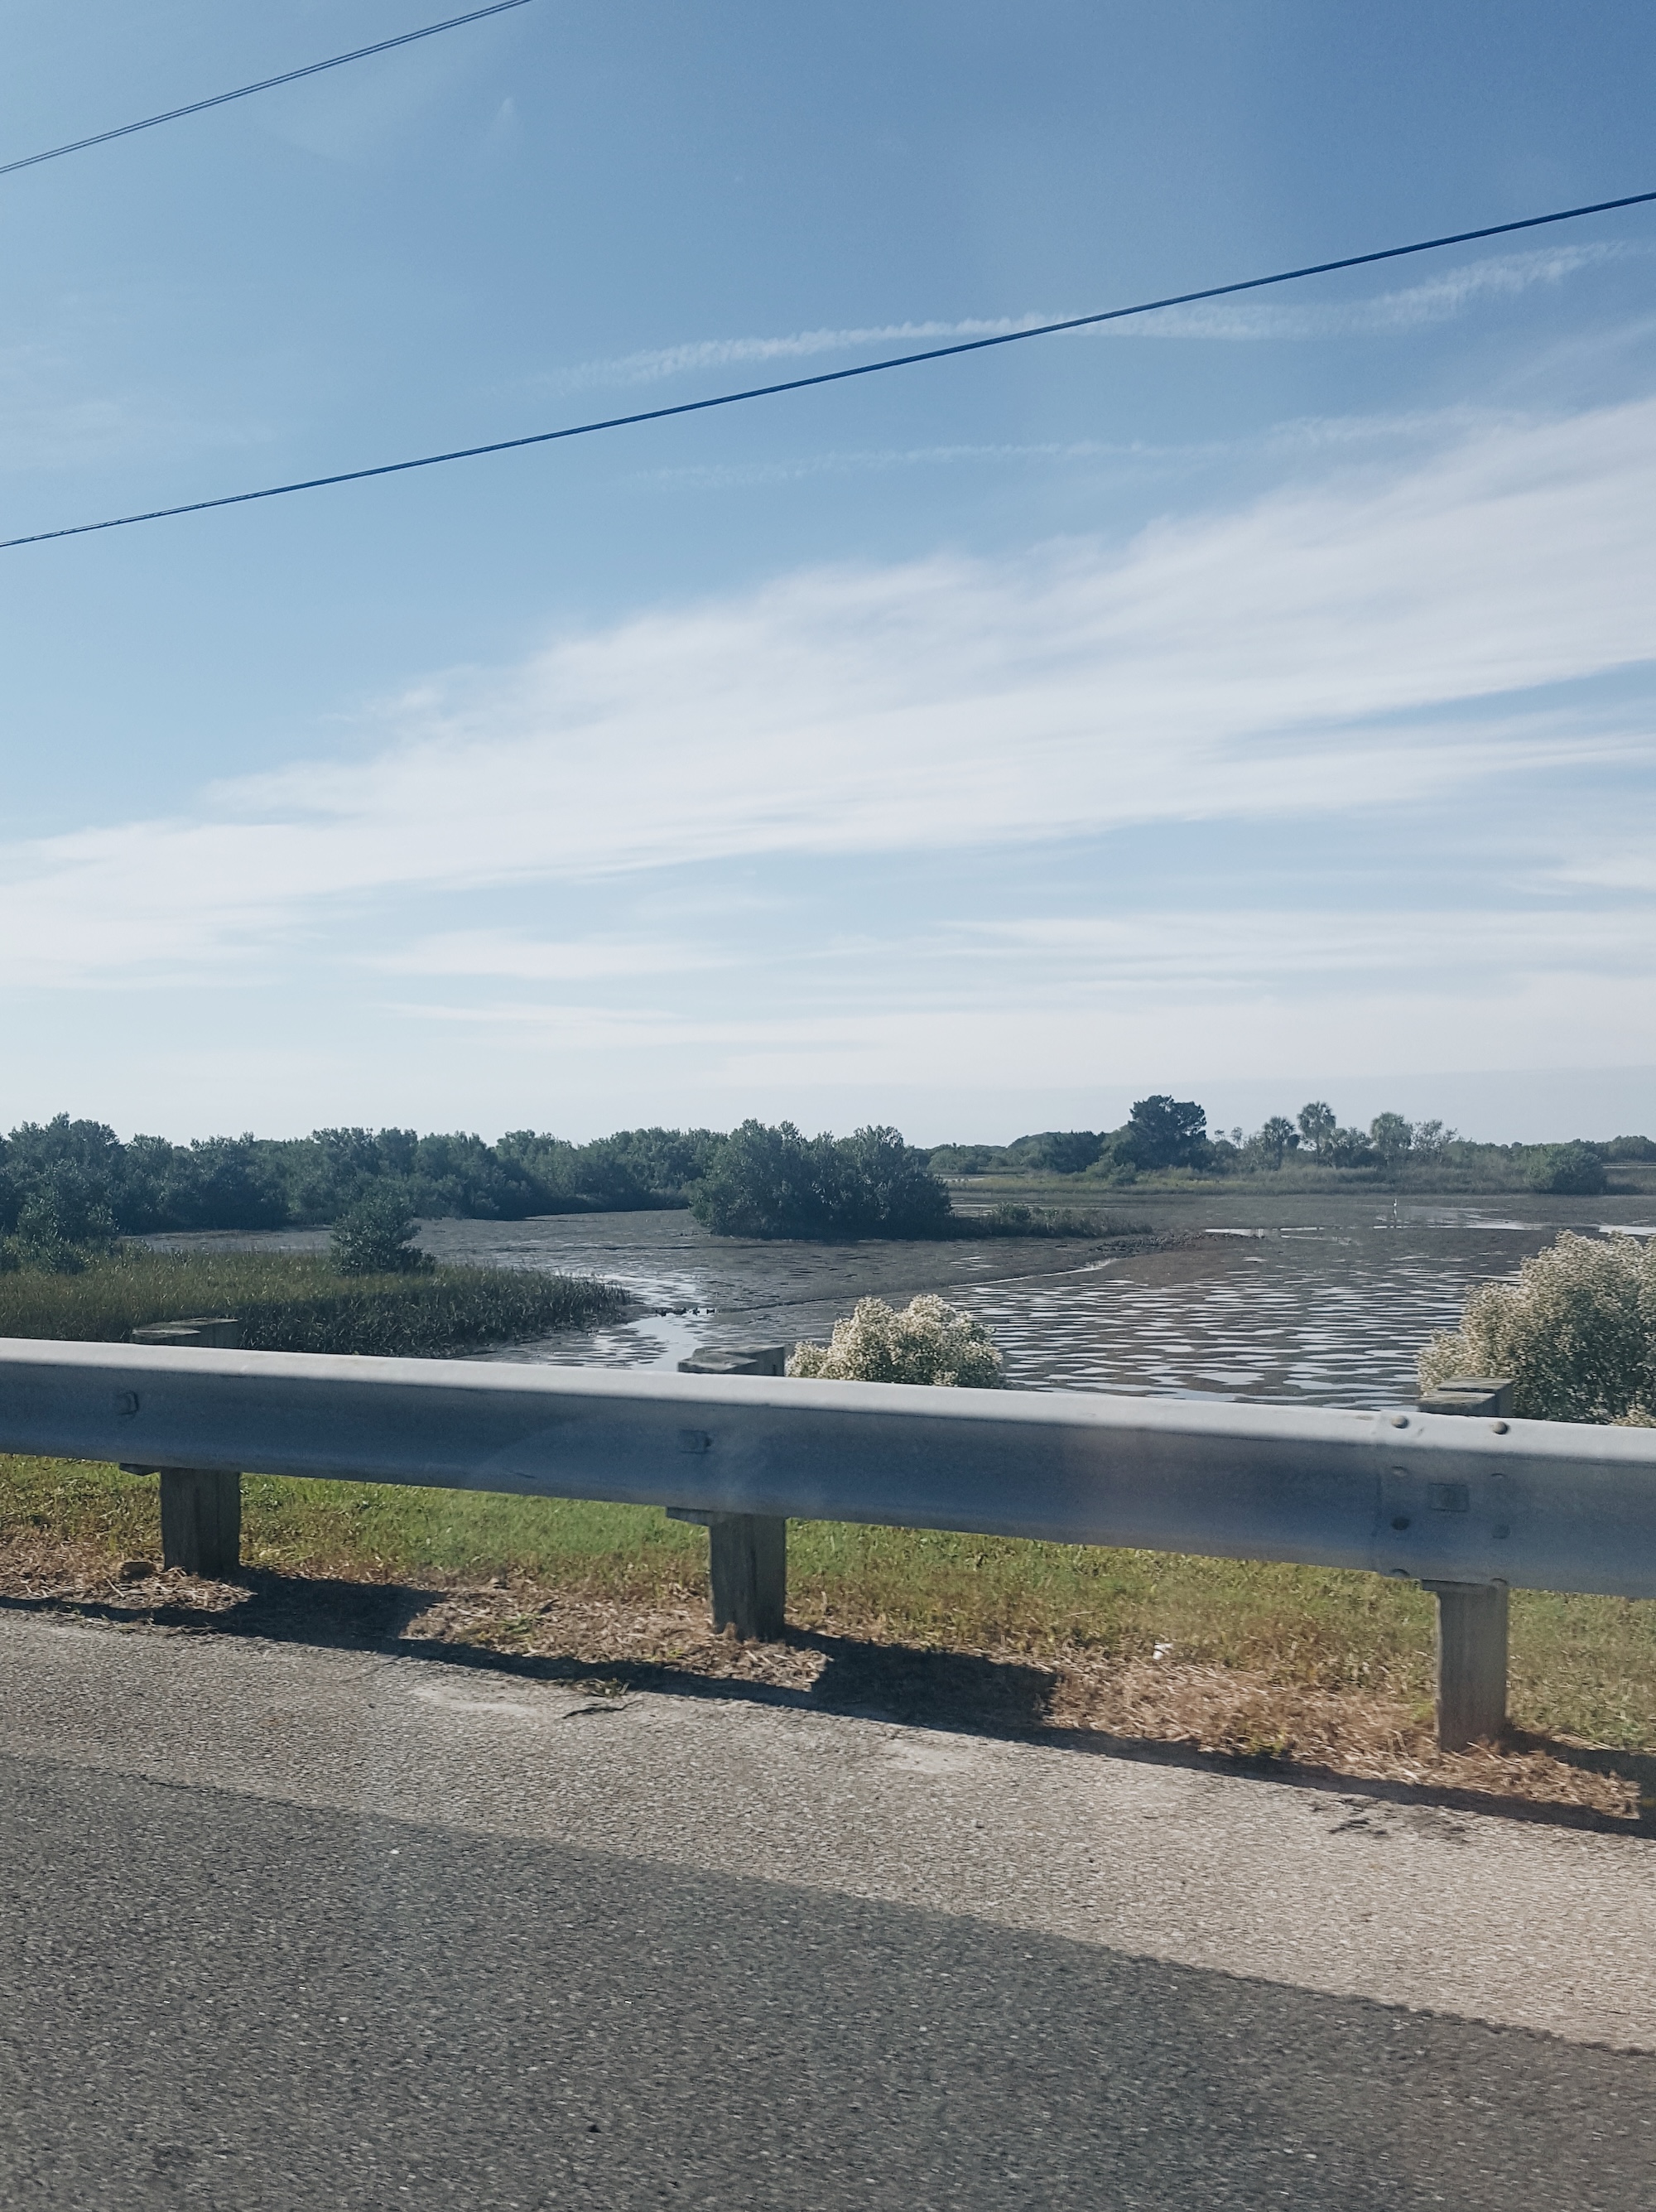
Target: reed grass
296 1302
1015 1220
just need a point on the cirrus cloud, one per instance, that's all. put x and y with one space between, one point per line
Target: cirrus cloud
1365 640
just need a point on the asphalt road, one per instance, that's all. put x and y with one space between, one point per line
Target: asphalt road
236 1970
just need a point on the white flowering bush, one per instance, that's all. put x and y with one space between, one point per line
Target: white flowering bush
929 1341
1576 1333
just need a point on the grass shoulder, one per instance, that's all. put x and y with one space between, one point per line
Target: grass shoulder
1297 1666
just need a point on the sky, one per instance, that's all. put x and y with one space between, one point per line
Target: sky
1254 700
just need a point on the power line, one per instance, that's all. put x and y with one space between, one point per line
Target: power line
837 375
264 84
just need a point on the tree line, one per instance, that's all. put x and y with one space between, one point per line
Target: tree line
1163 1134
69 1186
82 1173
75 1184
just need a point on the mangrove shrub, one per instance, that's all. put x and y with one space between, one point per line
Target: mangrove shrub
1576 1333
776 1182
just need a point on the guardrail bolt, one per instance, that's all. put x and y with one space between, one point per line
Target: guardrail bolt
201 1506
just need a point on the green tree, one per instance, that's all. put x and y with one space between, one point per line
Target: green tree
1432 1140
1275 1138
374 1237
63 1223
767 1181
1349 1148
1572 1171
1317 1125
1167 1132
1393 1137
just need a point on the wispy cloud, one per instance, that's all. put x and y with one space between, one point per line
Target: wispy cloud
1307 436
1391 314
1266 947
1547 1014
1361 641
510 956
879 460
1416 306
650 365
1618 865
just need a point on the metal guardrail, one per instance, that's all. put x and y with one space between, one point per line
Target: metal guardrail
1465 1505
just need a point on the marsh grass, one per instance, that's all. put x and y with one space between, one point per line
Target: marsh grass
1292 1640
1011 1219
294 1302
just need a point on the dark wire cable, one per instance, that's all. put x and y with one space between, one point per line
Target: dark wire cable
836 375
264 84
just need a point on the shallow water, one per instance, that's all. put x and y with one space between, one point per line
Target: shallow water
1302 1300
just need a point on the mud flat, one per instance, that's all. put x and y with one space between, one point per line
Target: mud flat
1294 1298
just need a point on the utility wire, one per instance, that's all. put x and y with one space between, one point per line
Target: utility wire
836 375
264 84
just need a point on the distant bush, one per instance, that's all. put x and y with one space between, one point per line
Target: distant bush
775 1183
633 1170
61 1226
968 1159
1045 1221
1631 1148
1572 1171
1055 1152
375 1237
929 1342
1576 1333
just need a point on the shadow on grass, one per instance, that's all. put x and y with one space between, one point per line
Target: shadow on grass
903 1685
353 1616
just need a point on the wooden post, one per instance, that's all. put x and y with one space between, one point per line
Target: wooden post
1471 1617
748 1564
201 1506
201 1521
747 1553
1471 1662
766 1359
1470 1395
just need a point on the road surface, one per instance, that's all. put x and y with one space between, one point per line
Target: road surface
288 1927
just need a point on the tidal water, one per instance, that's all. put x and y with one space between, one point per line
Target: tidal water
1302 1301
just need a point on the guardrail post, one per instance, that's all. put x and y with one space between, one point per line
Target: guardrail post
747 1553
748 1566
201 1506
1471 1662
1471 1617
201 1521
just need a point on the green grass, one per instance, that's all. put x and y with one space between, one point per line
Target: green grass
292 1302
1583 1667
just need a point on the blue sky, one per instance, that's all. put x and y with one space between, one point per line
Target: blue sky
1255 702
